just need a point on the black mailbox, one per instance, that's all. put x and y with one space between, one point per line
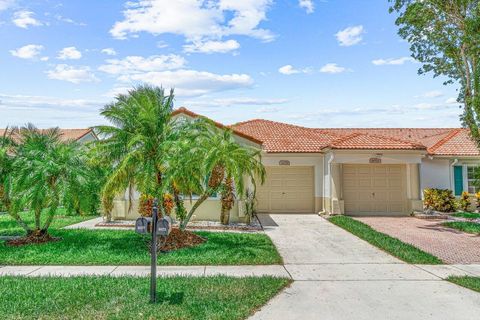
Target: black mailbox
164 226
141 225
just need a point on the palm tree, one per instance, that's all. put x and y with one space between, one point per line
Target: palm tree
7 160
46 169
138 143
225 161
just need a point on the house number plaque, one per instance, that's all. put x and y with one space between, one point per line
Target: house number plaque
375 160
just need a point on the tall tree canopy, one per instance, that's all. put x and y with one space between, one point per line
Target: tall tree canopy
445 37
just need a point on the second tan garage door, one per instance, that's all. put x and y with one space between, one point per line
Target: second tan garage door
287 190
378 189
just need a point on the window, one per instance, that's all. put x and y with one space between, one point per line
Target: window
472 177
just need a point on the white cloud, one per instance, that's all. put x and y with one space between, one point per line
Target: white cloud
73 74
350 36
162 44
49 111
27 101
29 51
451 101
392 61
247 101
332 68
24 19
289 69
109 51
169 71
69 53
268 110
5 4
69 20
191 82
432 94
196 20
138 64
212 46
307 5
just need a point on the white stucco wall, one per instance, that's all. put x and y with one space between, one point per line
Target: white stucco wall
435 173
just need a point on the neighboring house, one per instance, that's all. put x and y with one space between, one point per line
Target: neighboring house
375 171
80 135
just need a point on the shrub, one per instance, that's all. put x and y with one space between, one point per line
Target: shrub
439 199
168 203
464 201
477 200
145 206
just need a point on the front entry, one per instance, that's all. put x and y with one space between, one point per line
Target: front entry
287 190
374 189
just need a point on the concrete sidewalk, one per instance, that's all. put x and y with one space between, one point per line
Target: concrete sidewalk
143 271
297 272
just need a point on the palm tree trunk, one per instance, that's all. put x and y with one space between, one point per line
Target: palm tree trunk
51 215
200 200
225 216
228 200
130 196
38 213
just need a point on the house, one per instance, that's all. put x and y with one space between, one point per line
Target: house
355 171
79 135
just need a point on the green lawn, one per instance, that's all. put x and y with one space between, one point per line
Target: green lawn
469 227
9 227
467 215
125 247
467 282
395 247
127 297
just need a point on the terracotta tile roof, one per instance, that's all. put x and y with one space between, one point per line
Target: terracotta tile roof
459 143
281 137
192 114
66 134
368 142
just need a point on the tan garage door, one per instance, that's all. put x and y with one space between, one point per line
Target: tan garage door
287 189
374 189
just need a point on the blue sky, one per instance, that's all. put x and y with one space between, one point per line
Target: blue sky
319 63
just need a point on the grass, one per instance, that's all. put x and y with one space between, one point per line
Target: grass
125 247
467 282
9 227
469 227
393 246
127 297
467 215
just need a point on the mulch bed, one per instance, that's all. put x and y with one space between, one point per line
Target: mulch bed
32 239
178 239
191 227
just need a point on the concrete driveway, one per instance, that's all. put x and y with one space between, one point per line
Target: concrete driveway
338 276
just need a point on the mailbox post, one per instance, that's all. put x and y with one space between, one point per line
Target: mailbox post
157 227
153 262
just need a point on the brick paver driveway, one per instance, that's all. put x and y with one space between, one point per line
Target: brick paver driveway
450 245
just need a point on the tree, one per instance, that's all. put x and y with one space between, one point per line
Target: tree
7 160
45 170
140 140
135 143
225 162
445 37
